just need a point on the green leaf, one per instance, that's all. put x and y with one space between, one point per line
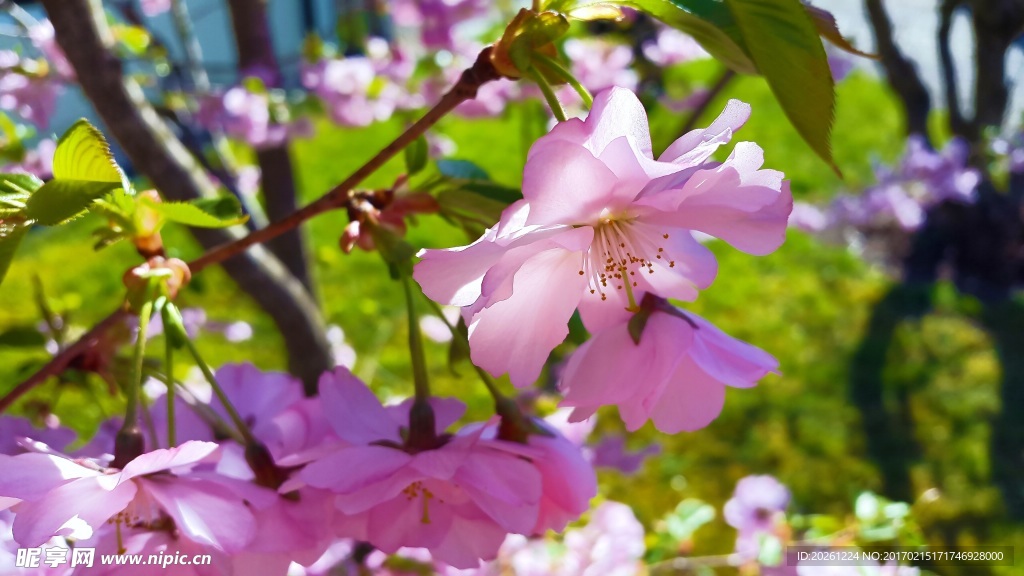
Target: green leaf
22 337
462 169
416 156
83 170
10 238
783 42
711 26
826 25
199 214
19 184
61 200
15 190
83 154
688 516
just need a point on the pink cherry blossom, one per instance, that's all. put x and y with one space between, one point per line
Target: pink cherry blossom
59 496
676 376
458 499
155 7
602 221
755 509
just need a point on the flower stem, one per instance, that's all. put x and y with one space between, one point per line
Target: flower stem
419 362
460 339
549 94
172 439
240 424
562 72
131 413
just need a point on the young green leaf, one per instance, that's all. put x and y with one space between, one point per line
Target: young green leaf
191 214
10 237
783 42
416 156
83 170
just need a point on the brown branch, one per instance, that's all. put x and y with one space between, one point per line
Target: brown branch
466 88
59 363
479 74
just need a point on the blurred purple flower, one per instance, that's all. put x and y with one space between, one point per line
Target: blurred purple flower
14 428
599 64
754 509
673 47
611 452
33 98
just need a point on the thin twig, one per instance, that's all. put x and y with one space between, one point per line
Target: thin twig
61 361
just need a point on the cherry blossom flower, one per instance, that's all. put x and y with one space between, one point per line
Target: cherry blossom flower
458 499
677 373
155 7
672 47
63 497
601 224
754 510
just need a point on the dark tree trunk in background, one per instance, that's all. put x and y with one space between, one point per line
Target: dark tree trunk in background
83 35
256 56
899 71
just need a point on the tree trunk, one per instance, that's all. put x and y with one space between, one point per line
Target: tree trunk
256 56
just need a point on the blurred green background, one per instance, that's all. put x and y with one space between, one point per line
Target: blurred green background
807 304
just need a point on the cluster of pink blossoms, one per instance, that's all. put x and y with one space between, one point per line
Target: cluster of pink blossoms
607 230
329 471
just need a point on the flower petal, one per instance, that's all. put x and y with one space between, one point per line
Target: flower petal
204 511
356 414
516 334
185 455
565 184
86 499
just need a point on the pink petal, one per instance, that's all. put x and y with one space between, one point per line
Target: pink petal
746 207
616 112
187 454
685 266
453 276
403 522
507 488
277 391
355 468
728 360
565 184
568 480
691 401
204 512
696 146
355 413
30 476
516 335
89 499
468 540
